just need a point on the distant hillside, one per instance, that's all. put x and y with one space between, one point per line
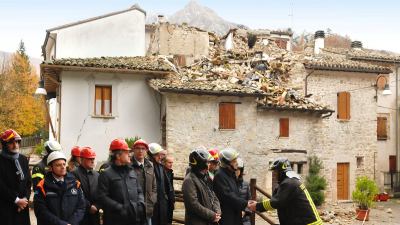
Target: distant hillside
6 56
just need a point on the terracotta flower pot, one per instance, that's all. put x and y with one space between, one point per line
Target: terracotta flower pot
361 214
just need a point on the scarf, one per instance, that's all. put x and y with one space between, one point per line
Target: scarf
14 156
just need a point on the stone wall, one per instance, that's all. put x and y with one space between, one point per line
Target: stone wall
193 121
171 39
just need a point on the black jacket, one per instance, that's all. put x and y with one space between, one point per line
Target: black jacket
232 205
12 187
244 190
294 204
59 204
89 180
160 213
120 196
171 195
200 201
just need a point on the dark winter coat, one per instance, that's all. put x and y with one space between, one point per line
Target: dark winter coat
11 187
244 190
227 191
89 180
120 196
147 180
200 201
38 172
171 195
160 212
59 203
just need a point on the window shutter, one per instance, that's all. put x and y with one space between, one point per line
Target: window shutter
284 127
106 101
343 107
381 128
227 116
98 101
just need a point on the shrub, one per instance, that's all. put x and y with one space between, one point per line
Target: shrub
315 184
364 193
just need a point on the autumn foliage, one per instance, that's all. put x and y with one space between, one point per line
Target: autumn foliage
19 109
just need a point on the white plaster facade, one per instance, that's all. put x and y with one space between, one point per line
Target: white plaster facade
116 34
135 111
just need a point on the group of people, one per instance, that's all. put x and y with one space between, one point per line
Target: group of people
135 187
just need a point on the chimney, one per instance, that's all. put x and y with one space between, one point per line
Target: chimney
356 45
161 19
319 41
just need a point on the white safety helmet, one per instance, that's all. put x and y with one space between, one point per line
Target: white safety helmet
51 146
229 154
155 148
55 155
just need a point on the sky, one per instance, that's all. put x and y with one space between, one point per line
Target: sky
375 23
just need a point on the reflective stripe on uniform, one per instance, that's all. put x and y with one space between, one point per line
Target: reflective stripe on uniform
38 175
267 205
41 187
319 221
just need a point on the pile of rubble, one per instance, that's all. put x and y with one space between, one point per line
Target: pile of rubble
251 72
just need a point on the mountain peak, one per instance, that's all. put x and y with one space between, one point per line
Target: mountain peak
197 15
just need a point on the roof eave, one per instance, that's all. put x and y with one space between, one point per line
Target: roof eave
351 69
105 70
209 92
283 108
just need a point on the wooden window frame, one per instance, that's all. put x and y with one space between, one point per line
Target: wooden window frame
343 106
284 127
384 135
102 109
227 123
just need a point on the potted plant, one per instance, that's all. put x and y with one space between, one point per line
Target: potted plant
364 195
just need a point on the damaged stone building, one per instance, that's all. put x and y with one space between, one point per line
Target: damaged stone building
197 89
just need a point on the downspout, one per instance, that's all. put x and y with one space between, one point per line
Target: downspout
306 82
397 117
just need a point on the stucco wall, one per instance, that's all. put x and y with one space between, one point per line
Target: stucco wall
135 109
119 35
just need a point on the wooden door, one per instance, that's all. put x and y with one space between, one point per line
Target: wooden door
343 181
392 164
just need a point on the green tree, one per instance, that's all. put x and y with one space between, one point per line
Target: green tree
19 109
315 183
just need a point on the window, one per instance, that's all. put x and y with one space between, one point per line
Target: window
284 127
103 101
227 115
343 107
381 128
300 168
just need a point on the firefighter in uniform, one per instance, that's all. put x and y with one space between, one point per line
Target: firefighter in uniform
40 169
290 198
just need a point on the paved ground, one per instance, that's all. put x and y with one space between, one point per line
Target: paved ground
383 213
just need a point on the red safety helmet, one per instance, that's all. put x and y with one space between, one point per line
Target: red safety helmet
119 144
88 153
76 151
214 153
140 142
10 135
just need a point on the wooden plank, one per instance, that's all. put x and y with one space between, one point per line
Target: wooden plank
342 106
